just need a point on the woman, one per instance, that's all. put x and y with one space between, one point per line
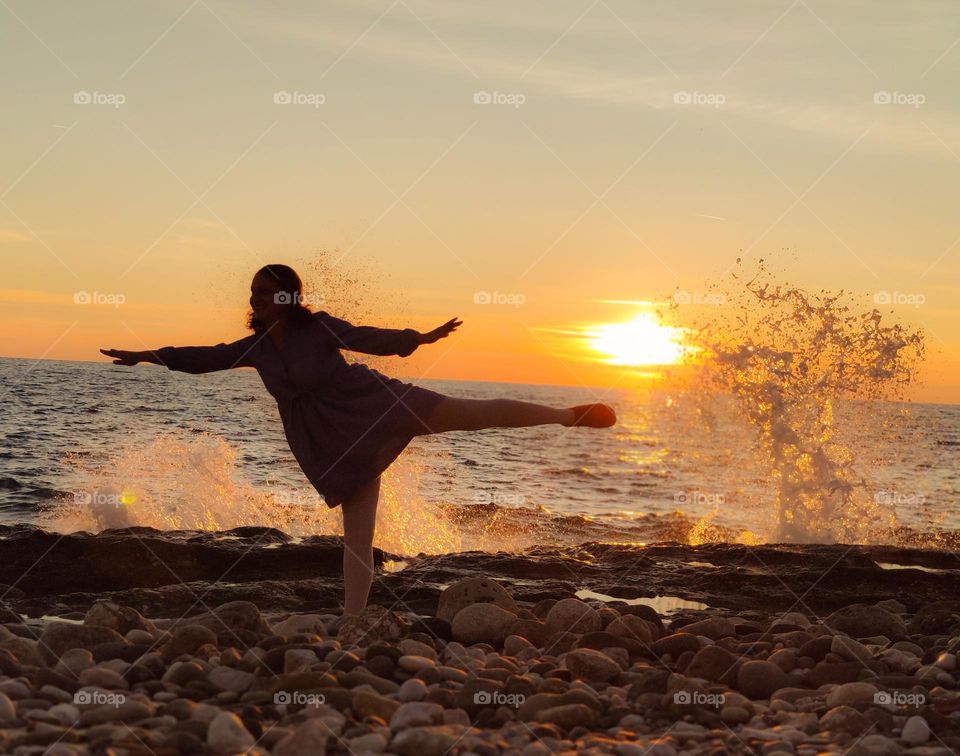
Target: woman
346 423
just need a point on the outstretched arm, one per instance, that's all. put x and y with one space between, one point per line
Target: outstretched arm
380 341
193 359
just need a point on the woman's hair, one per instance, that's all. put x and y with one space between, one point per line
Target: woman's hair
290 293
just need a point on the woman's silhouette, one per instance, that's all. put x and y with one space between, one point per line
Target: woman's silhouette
346 423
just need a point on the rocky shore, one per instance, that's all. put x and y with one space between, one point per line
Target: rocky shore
488 665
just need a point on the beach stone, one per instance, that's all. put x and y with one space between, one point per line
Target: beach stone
127 711
713 663
483 623
874 745
476 590
734 715
844 719
714 628
372 742
589 664
123 619
413 647
514 644
631 626
58 637
186 639
410 663
865 621
298 659
227 734
916 731
425 741
228 678
65 713
372 624
850 649
310 737
572 615
675 644
534 631
25 650
301 623
855 694
8 711
567 716
760 679
413 689
102 677
366 703
416 714
785 658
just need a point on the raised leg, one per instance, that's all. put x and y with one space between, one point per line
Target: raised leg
359 519
476 414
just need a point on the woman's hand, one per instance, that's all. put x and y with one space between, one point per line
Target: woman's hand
123 357
440 333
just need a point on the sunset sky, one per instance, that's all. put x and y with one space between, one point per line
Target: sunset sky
559 159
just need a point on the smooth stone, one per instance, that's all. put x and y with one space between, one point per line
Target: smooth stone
186 639
631 626
916 731
713 663
413 689
475 590
416 714
714 628
482 623
58 637
123 619
412 647
865 621
676 644
850 649
844 719
589 664
367 703
852 694
300 623
426 741
128 711
567 716
572 615
7 710
414 664
230 679
309 738
760 679
227 734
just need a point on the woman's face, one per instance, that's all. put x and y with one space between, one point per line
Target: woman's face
264 300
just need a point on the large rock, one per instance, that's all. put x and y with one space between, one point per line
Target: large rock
123 619
631 626
58 637
572 615
715 664
476 590
714 628
229 621
483 623
866 621
855 694
371 624
185 640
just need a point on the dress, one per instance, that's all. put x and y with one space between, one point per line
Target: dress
345 423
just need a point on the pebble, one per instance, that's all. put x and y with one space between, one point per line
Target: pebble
227 734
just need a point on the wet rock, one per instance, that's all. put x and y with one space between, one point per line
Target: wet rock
477 590
865 621
573 616
483 623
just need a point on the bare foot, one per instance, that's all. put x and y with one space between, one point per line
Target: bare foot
594 415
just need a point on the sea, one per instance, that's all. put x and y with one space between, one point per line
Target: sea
88 446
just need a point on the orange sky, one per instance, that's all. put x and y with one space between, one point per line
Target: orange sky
566 154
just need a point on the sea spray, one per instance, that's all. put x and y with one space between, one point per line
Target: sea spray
177 481
792 360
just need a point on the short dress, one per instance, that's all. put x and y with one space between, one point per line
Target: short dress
345 423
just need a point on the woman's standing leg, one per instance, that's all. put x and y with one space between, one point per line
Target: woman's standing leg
359 520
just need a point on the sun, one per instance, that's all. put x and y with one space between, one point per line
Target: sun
640 341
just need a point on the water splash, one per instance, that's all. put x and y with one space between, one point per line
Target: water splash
789 358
